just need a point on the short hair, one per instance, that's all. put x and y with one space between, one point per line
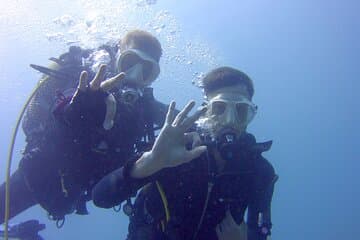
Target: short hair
225 77
143 41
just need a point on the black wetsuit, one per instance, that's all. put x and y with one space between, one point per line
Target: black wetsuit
59 168
246 183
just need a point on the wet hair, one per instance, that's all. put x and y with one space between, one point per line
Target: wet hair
143 41
225 77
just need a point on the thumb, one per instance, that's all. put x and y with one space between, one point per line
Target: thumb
194 153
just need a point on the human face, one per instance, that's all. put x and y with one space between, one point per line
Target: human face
140 68
229 111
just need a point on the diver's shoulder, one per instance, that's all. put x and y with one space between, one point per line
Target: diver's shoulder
254 145
263 165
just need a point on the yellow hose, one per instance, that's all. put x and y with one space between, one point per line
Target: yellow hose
164 200
8 168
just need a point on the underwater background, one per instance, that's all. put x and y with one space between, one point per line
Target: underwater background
304 58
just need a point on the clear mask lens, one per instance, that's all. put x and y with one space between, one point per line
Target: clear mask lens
128 61
135 74
244 112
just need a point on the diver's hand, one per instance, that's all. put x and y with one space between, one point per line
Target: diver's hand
98 82
228 229
91 104
169 149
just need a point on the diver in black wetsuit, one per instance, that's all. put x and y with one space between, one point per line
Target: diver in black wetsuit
76 141
200 192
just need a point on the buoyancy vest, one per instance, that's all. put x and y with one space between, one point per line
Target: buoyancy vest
158 203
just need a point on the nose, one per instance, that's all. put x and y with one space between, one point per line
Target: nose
134 75
230 117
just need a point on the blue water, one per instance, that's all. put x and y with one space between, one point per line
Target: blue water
302 55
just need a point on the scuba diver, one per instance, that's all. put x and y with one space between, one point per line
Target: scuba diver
198 185
77 132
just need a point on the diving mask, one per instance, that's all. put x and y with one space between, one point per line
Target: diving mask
140 68
241 111
227 113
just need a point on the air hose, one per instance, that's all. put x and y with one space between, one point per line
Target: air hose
11 150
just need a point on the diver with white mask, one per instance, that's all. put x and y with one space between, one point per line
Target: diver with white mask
198 185
140 71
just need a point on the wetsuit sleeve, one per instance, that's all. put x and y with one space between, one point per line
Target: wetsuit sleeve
259 209
118 186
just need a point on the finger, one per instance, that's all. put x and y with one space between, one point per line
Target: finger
194 153
95 83
189 122
112 82
170 113
83 81
182 115
110 103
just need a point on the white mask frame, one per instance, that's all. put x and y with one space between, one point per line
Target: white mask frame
150 67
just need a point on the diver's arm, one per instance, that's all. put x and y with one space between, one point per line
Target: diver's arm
124 182
169 150
118 186
259 210
259 222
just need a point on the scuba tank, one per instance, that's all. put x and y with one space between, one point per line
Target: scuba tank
62 74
